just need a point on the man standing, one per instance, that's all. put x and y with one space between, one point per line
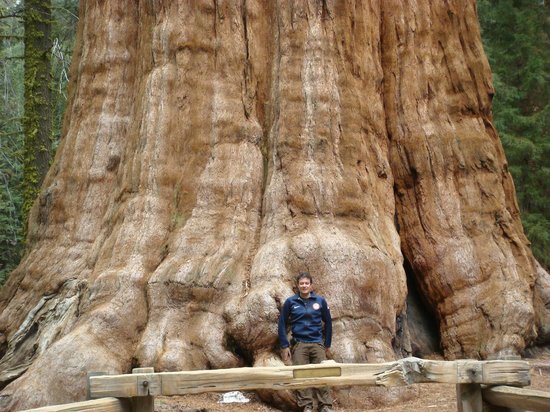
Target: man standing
307 313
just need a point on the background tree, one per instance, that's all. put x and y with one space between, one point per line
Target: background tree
516 36
63 28
37 123
11 135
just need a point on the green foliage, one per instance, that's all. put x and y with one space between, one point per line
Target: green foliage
516 37
10 224
63 28
11 136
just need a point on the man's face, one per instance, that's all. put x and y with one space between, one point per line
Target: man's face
304 286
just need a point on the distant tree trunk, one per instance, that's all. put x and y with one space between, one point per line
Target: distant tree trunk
211 150
37 122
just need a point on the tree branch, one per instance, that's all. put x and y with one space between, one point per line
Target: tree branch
11 16
14 58
10 134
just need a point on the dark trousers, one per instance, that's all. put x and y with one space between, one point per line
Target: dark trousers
302 354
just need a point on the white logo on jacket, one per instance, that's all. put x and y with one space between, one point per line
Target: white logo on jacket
316 306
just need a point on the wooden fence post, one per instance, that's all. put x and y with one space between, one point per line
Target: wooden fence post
512 399
145 402
468 397
88 376
481 386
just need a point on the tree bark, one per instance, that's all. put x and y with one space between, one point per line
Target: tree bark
459 220
37 123
212 150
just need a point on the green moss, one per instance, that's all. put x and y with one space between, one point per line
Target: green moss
37 119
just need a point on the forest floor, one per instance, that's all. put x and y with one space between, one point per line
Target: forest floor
430 397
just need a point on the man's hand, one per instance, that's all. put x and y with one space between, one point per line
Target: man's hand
285 355
328 353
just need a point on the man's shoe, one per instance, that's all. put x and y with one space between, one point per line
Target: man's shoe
308 409
326 409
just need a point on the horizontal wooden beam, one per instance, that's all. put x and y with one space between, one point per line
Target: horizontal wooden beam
98 405
517 398
402 372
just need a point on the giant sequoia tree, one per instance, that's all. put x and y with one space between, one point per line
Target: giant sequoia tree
212 150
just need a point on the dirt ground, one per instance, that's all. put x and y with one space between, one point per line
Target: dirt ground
430 397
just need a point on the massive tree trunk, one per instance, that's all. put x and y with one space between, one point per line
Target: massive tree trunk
212 150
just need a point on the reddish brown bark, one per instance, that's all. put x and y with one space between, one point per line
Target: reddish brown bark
211 151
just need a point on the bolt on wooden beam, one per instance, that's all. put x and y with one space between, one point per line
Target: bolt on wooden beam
147 384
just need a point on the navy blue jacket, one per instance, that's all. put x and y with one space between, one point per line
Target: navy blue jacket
306 320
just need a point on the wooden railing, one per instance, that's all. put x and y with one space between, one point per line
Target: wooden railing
493 383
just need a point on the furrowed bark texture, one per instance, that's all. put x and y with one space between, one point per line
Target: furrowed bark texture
212 150
459 221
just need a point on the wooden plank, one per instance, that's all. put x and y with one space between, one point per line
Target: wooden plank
147 385
143 404
403 372
506 372
98 405
469 371
90 374
143 370
517 398
120 386
468 397
317 373
416 370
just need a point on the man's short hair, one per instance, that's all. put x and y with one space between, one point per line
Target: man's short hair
302 275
